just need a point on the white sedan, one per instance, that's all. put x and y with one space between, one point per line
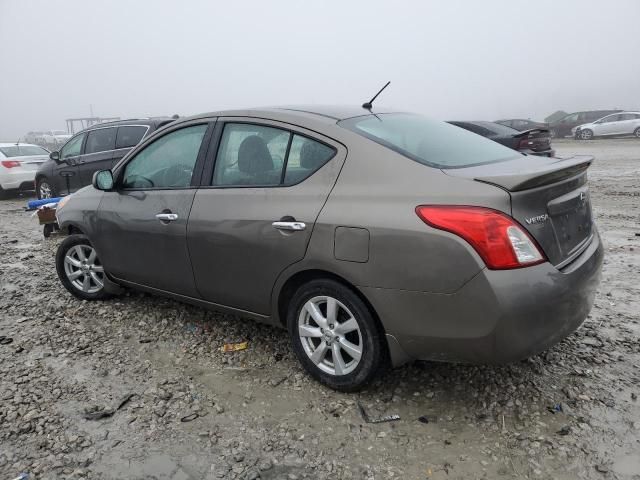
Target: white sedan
623 123
18 165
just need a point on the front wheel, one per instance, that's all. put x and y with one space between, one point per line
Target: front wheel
80 270
44 189
335 336
586 134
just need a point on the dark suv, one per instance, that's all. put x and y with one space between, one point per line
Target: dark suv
98 147
562 128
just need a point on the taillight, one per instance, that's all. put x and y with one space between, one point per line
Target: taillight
525 143
499 240
10 163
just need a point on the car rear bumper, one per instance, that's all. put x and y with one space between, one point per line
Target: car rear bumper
497 317
17 179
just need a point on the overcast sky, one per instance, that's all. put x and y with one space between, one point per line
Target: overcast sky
448 59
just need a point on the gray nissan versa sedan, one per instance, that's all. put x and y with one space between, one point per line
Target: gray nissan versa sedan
375 238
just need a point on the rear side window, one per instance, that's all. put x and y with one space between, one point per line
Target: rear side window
305 157
430 142
100 140
167 162
260 155
130 136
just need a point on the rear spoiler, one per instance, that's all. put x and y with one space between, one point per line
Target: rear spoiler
524 133
539 174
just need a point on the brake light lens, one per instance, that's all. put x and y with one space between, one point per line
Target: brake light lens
10 163
499 240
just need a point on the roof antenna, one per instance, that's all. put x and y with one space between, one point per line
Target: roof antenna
369 105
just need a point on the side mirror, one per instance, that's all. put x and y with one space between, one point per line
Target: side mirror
55 156
103 180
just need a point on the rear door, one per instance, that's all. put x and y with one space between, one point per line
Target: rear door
98 152
626 124
254 214
142 224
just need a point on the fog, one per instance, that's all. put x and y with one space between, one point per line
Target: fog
447 59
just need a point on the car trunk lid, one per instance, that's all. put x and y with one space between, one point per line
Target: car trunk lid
536 139
549 197
31 162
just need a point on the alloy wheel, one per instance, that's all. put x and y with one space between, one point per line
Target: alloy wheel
586 134
330 335
44 190
83 269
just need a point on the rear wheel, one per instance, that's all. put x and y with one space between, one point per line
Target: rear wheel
335 336
80 270
586 134
44 189
636 132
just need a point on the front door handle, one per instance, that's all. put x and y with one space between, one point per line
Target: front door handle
167 217
289 226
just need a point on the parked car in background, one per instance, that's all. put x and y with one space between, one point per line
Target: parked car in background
536 141
96 148
617 124
380 256
562 127
522 124
55 138
33 137
18 165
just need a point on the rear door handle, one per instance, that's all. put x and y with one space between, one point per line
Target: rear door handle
289 226
167 217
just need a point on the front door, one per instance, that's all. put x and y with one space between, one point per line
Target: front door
256 214
98 152
142 224
66 174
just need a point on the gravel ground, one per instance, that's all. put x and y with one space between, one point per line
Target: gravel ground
571 412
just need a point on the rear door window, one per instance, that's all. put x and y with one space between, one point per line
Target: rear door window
430 142
261 155
100 140
130 136
251 155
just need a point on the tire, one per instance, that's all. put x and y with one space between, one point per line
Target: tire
88 284
636 132
586 134
352 373
41 192
4 194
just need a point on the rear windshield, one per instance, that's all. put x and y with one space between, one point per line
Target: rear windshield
427 141
497 128
23 151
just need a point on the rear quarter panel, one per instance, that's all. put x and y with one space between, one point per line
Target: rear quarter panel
378 190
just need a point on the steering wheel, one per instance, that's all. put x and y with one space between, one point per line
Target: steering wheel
138 181
177 175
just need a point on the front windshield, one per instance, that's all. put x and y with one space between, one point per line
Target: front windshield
23 151
430 142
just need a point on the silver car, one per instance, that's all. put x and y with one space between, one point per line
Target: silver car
617 124
374 238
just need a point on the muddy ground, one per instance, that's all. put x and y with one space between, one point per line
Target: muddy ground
571 412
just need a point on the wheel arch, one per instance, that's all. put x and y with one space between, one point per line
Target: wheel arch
304 276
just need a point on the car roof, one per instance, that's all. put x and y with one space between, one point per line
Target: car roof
304 115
